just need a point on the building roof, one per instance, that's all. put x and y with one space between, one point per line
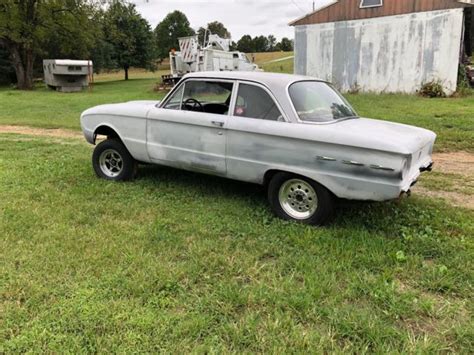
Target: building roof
346 10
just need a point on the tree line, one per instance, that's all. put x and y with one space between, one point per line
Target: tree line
111 33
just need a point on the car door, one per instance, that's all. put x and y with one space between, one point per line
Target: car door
189 129
256 134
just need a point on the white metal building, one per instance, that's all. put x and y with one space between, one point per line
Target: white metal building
383 45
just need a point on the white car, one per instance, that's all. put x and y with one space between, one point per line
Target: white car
296 135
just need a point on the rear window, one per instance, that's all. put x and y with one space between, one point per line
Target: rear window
316 101
254 102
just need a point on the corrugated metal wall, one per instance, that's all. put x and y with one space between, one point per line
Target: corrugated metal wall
387 54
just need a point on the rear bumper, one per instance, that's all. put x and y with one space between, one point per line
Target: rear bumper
413 180
428 167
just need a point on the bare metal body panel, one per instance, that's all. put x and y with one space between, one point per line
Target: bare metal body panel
361 159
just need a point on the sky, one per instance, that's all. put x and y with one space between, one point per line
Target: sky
259 17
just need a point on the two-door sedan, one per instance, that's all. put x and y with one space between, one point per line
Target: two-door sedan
295 135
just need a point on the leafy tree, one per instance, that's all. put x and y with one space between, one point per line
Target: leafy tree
286 45
130 37
201 32
260 44
27 26
174 25
103 56
216 28
246 44
272 41
7 72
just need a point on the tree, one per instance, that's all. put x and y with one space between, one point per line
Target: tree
216 28
26 26
271 43
201 32
130 37
7 72
260 44
286 45
174 25
246 44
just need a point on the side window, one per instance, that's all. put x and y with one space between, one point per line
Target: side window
254 102
174 103
207 96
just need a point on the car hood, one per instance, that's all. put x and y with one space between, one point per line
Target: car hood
379 135
131 108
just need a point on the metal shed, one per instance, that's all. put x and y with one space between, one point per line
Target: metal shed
67 75
383 45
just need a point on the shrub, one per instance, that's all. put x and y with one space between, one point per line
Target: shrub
464 85
432 89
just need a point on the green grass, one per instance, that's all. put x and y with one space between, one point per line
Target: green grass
50 109
179 262
452 118
285 66
265 57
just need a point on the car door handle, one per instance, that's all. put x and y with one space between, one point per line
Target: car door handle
218 124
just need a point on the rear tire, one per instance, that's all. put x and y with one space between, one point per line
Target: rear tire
300 199
112 161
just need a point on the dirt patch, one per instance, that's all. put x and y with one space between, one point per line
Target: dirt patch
453 198
461 163
455 163
32 131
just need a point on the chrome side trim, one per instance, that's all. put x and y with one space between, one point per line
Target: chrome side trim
380 167
319 157
352 162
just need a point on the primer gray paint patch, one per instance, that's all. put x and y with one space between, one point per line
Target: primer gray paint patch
387 54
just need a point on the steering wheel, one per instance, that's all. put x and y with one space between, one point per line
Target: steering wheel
194 104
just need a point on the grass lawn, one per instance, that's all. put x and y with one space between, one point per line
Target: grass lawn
452 118
177 261
49 109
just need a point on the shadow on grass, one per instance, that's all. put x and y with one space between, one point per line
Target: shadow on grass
360 214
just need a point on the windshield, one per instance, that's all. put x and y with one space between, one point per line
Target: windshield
316 101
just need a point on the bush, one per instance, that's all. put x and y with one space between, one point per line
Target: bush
432 89
464 85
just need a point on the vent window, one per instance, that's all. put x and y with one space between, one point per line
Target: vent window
370 3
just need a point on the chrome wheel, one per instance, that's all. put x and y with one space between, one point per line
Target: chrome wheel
111 163
298 199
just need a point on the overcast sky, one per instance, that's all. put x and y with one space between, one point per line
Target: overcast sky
259 17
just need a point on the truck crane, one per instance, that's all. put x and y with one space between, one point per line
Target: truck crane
213 55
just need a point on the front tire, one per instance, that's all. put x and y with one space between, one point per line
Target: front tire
112 161
300 199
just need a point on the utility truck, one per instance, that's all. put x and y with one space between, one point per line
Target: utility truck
213 55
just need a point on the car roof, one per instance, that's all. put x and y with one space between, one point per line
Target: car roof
270 80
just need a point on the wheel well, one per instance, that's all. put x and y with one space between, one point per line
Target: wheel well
106 131
271 173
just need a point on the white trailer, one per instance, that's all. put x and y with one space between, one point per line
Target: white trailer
67 75
214 55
